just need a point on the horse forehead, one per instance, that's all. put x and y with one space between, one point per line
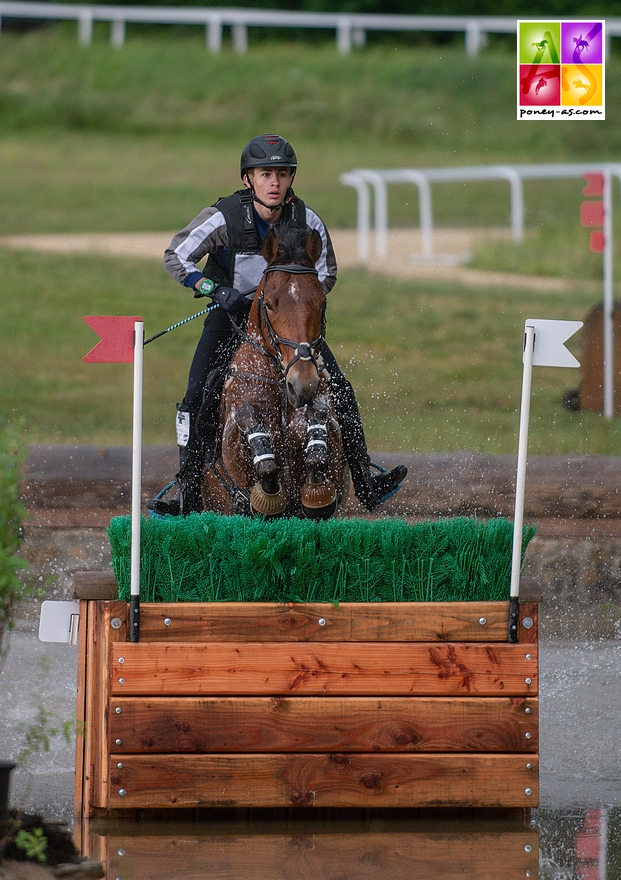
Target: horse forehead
303 290
293 290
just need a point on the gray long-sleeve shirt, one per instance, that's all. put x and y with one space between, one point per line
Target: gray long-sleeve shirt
207 235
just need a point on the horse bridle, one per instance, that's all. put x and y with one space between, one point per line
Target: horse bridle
304 351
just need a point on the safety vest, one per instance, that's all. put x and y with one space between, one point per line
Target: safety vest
245 260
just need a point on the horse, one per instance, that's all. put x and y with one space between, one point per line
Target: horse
580 44
280 450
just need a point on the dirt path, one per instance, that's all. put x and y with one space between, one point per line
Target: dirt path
404 260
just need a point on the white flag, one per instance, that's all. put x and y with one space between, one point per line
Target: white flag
549 345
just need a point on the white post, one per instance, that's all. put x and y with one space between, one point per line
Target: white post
134 619
363 212
358 37
609 366
343 36
117 33
517 202
214 34
520 481
240 38
425 211
476 39
85 28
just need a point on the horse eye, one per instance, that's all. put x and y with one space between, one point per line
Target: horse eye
269 307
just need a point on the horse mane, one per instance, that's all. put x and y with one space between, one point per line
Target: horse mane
292 241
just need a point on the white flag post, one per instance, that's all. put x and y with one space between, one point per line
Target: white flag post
544 346
134 605
122 342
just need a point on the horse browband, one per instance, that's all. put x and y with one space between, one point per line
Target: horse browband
292 269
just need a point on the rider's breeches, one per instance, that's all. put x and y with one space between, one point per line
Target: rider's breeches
346 411
217 332
195 445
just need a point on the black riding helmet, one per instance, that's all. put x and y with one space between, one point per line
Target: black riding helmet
268 151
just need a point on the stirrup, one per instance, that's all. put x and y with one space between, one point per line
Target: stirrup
152 504
392 492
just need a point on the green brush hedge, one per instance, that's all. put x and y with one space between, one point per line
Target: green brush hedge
214 558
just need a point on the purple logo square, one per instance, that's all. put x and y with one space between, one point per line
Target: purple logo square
581 42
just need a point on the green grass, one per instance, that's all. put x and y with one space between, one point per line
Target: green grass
188 559
141 138
437 368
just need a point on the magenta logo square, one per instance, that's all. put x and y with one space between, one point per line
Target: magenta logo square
581 42
540 85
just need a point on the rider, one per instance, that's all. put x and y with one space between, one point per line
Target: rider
230 234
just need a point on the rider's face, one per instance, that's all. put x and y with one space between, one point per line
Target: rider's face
270 184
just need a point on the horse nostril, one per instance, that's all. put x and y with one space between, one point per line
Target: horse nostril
292 393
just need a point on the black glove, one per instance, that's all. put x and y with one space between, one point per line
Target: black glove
230 299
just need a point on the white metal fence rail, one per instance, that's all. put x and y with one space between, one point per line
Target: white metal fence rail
366 180
350 28
371 186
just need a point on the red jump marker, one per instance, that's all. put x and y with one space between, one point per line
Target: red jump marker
116 345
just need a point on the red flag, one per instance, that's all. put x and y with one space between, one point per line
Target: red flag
597 241
116 345
592 213
595 185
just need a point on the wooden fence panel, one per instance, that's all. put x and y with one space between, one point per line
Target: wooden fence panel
314 724
316 780
323 622
352 669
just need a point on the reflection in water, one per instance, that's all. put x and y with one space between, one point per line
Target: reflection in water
575 844
391 846
579 844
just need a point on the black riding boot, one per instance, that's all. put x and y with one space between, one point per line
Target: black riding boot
199 448
371 489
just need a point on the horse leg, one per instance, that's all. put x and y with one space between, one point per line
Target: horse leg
266 496
318 492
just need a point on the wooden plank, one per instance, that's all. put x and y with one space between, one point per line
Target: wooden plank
316 780
100 634
360 669
303 854
316 724
93 585
95 704
530 590
349 621
80 719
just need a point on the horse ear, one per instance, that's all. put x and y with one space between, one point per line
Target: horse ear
270 247
314 246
